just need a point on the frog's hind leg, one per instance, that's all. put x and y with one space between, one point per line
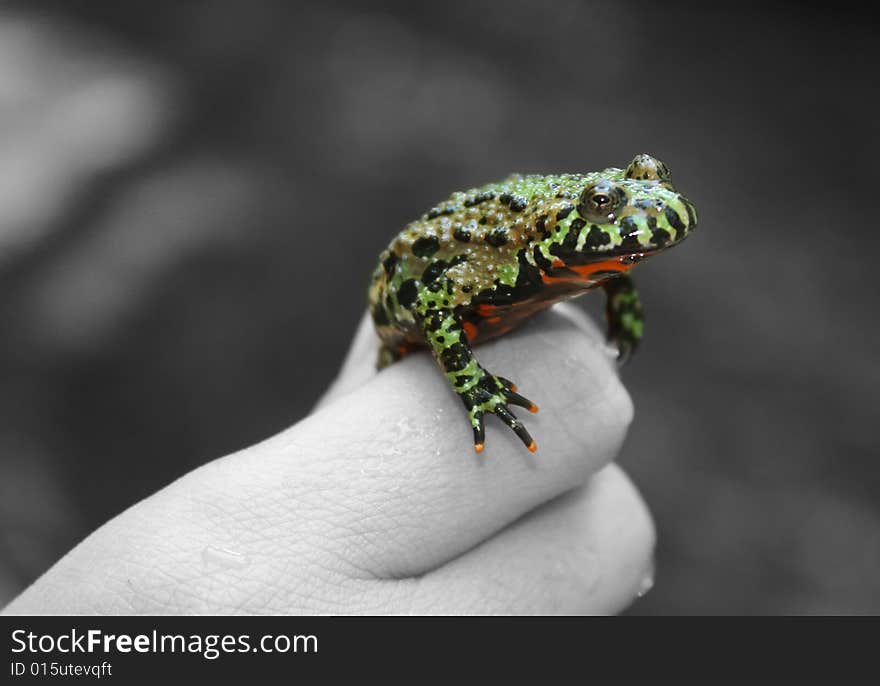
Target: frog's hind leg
391 353
479 390
623 310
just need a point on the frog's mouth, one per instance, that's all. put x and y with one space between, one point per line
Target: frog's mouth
631 250
625 255
634 257
595 268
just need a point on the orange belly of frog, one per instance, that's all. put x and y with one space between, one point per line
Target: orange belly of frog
486 320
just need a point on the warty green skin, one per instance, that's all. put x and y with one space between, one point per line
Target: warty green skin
480 262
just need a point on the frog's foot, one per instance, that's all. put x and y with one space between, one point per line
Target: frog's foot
623 312
386 357
492 394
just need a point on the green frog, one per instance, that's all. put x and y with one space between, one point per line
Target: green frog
479 263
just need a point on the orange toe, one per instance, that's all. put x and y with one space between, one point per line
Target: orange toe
478 447
533 446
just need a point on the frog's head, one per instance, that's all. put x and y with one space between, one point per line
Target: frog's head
634 211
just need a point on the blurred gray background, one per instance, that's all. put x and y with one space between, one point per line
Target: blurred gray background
177 180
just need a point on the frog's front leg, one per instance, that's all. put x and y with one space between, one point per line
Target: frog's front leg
480 391
623 310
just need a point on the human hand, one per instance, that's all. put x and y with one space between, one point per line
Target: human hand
376 503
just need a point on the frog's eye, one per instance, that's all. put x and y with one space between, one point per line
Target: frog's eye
600 201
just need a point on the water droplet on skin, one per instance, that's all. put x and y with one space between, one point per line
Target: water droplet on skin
224 557
646 584
610 350
407 426
387 451
588 572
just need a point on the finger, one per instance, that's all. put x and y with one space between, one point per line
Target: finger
589 551
401 490
381 483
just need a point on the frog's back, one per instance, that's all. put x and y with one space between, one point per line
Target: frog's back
473 238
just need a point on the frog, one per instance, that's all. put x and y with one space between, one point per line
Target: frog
481 262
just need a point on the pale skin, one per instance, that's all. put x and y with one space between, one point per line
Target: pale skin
376 503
